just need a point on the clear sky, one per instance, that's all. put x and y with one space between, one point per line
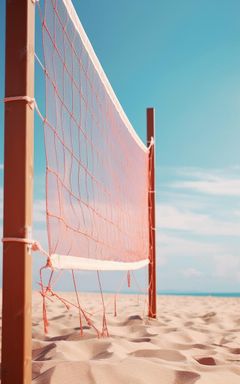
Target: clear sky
183 58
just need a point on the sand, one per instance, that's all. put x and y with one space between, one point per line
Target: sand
193 340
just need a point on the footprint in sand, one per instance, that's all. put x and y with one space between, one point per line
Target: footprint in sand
164 354
135 319
188 323
200 346
208 315
206 360
186 377
103 355
141 340
235 351
44 353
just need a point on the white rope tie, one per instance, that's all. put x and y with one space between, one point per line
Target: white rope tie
17 240
33 244
151 143
28 99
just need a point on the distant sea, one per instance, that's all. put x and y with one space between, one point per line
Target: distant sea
171 293
214 294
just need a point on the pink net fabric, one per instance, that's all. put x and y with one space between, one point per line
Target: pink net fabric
97 167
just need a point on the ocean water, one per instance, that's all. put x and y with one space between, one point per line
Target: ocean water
214 294
177 293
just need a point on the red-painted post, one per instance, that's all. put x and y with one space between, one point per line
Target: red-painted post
18 190
152 292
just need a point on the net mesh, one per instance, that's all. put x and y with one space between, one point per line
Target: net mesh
97 167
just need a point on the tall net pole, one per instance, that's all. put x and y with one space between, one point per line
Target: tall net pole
18 187
152 293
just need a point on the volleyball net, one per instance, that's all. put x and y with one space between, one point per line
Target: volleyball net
97 175
98 171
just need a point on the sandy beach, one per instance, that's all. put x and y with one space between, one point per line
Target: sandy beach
193 340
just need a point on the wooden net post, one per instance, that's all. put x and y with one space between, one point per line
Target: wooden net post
152 292
18 191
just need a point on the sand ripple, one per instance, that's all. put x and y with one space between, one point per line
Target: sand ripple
194 340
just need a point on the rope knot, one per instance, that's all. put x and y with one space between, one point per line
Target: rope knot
36 246
49 263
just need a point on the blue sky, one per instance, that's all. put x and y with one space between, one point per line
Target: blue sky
183 58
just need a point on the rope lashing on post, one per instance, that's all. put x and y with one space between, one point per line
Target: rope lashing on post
33 244
29 100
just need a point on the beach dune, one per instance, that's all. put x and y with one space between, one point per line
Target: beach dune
193 340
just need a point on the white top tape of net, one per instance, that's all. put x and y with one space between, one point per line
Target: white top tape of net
75 19
73 262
